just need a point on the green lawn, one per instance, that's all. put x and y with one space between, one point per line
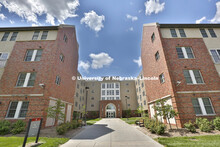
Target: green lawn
18 141
92 121
196 141
131 120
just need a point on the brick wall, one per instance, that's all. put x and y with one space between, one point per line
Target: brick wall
104 103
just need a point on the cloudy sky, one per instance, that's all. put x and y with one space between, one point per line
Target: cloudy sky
108 31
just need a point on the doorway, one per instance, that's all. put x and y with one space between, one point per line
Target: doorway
110 111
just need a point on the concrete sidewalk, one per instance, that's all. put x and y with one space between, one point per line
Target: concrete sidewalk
111 133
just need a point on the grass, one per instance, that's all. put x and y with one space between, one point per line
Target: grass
131 120
18 141
205 141
92 121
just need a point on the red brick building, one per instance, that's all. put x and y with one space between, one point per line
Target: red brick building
39 70
185 58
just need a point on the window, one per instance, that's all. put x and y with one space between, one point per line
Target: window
193 77
127 90
203 32
33 55
144 102
143 93
157 56
212 33
117 92
26 79
61 57
182 33
215 55
92 98
153 37
77 94
5 37
140 98
44 35
173 32
162 78
202 106
142 85
117 98
17 109
92 105
14 36
103 92
3 59
129 105
58 79
36 34
103 85
103 98
65 38
184 53
76 104
92 91
116 85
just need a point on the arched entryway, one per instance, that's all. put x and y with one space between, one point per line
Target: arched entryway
110 111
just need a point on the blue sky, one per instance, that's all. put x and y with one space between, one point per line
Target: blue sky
108 31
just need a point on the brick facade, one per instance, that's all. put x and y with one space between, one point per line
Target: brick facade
103 104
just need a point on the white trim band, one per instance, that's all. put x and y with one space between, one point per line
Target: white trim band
167 96
212 91
7 95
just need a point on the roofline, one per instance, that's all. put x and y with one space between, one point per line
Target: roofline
208 25
3 29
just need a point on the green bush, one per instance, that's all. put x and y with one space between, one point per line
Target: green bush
64 127
160 129
18 127
5 127
74 124
61 129
190 127
216 123
203 124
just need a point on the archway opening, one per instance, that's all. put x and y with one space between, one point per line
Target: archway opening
110 111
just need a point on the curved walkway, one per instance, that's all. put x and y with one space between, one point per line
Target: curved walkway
111 133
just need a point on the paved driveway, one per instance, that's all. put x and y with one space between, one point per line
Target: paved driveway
111 133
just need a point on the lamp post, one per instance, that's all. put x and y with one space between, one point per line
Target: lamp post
87 88
126 98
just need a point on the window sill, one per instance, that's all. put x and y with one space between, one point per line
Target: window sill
206 115
13 118
24 87
197 84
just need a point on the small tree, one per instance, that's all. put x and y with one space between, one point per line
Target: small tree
84 113
165 110
140 111
128 113
56 112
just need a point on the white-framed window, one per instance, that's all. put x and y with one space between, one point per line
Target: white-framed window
215 55
36 34
203 106
212 33
162 78
103 92
182 33
33 55
26 79
14 36
173 32
3 59
103 85
157 55
117 98
44 35
142 84
193 77
17 109
116 85
184 52
5 36
117 92
103 98
58 80
203 32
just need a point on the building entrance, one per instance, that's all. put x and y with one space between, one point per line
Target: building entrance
110 111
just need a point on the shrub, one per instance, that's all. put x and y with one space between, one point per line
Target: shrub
5 127
74 124
160 129
216 123
190 127
61 129
18 127
204 125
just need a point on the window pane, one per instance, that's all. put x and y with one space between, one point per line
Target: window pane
189 52
21 79
182 33
5 37
32 79
12 109
38 55
215 56
208 106
196 106
24 109
173 32
44 35
198 76
14 36
187 77
35 36
179 52
29 55
212 33
203 32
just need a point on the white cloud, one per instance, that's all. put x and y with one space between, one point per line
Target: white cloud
84 65
94 21
131 29
138 61
100 60
11 21
0 6
50 19
2 16
200 20
153 6
216 19
133 18
31 9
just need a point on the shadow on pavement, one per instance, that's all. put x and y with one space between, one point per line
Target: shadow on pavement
93 132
